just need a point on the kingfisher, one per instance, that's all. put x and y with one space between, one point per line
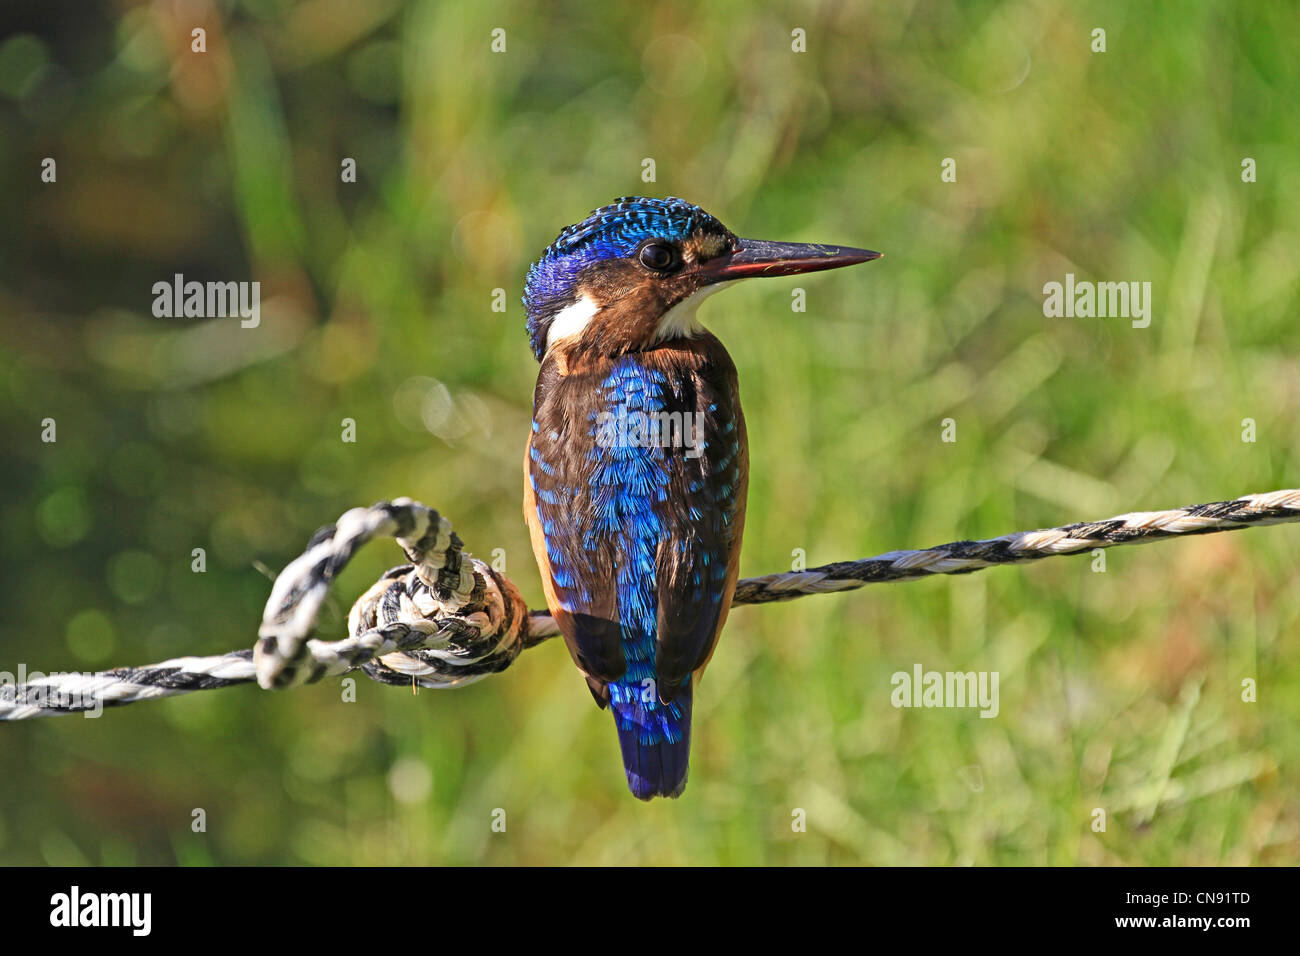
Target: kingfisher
637 465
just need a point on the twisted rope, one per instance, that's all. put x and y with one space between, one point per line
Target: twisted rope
448 619
962 557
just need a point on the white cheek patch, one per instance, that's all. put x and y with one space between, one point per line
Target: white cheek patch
679 321
571 320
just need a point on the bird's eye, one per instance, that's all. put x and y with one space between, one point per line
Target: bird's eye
657 256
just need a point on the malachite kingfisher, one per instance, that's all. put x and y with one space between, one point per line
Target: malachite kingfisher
636 470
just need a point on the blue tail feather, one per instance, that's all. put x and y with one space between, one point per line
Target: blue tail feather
655 739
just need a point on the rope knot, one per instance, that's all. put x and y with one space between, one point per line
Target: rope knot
444 620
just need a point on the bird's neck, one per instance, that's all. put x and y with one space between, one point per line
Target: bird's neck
677 356
610 324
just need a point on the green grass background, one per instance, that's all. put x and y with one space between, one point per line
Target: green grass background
1119 690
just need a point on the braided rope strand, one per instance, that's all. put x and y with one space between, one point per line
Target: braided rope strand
963 557
447 619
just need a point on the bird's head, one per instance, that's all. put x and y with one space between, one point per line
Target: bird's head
633 273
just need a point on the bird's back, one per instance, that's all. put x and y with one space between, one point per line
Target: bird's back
635 484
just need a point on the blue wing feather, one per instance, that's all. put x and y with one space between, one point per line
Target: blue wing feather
639 538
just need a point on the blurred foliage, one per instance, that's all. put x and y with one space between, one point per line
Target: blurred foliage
1119 690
